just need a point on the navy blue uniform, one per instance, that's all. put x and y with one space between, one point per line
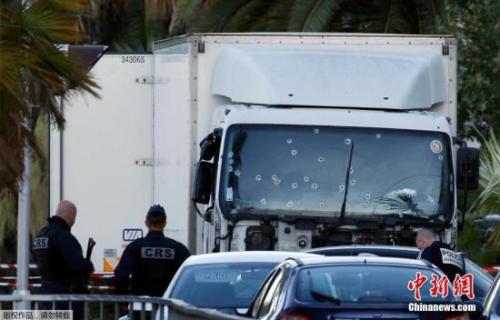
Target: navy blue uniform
449 261
60 259
152 261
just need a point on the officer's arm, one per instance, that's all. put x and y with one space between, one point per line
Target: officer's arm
72 254
183 254
428 255
124 270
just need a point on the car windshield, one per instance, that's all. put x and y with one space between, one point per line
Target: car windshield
303 170
364 284
482 280
221 285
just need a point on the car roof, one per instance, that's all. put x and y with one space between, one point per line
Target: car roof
356 247
245 256
312 261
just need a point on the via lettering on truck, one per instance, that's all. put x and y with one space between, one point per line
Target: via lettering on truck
157 253
131 234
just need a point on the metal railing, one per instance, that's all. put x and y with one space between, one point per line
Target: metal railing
115 306
98 282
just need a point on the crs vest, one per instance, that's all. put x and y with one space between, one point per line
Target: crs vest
152 261
58 253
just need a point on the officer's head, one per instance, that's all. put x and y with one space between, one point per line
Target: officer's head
156 218
425 238
66 210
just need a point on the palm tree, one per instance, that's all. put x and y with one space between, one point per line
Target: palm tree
33 73
132 26
393 16
129 26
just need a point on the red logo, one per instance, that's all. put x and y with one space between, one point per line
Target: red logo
462 285
440 286
416 284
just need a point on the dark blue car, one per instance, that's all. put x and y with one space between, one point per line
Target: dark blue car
327 288
482 280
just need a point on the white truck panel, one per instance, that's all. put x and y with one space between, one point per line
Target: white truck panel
174 140
365 77
107 152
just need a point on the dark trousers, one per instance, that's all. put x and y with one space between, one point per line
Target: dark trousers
56 287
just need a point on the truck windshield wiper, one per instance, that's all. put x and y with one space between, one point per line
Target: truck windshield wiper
411 217
347 178
397 219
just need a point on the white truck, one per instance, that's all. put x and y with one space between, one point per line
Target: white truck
283 141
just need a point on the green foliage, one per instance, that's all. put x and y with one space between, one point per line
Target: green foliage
128 26
488 200
247 18
39 201
132 26
473 242
215 18
312 16
477 29
8 227
33 71
393 16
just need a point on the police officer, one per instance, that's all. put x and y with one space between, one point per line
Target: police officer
152 261
59 256
438 253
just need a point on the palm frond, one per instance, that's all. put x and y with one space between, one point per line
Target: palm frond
275 18
312 16
246 17
488 200
33 71
214 17
185 13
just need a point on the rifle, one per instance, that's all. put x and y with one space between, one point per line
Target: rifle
90 247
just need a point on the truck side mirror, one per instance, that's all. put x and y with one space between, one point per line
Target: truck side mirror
202 185
468 168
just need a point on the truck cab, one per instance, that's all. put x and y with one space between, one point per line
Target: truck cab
309 140
296 178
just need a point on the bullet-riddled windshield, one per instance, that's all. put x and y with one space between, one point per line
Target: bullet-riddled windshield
302 170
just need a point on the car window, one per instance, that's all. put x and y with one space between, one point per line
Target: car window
482 280
267 301
282 285
221 285
261 294
365 284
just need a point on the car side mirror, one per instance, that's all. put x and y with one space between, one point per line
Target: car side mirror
202 185
468 168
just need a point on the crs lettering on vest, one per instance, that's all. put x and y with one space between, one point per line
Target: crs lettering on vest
40 243
157 253
452 257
